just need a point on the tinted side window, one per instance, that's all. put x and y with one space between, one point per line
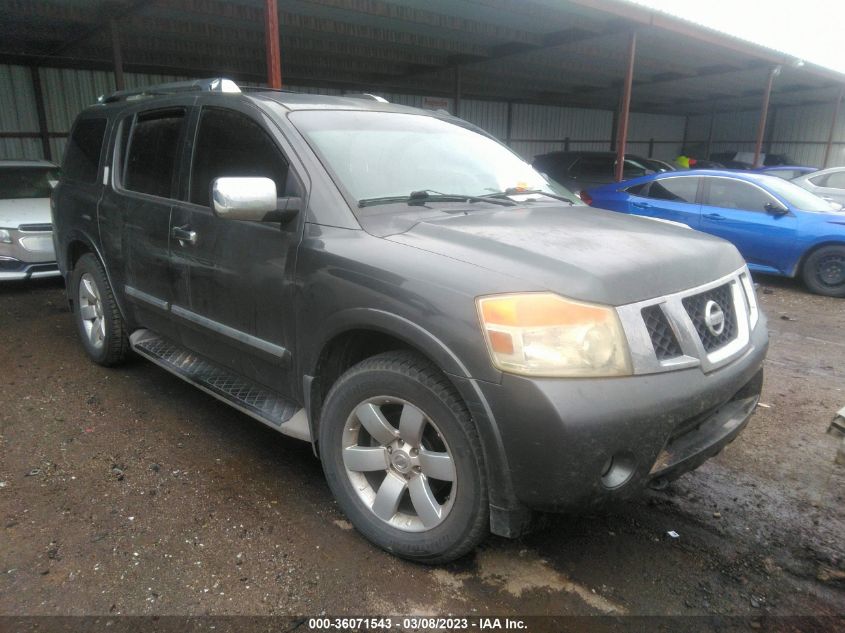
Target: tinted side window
631 169
82 157
836 180
674 189
231 144
152 153
639 190
593 167
735 194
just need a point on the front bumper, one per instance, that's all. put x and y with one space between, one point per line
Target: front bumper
23 270
31 255
582 443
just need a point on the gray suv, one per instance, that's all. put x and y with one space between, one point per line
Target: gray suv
462 342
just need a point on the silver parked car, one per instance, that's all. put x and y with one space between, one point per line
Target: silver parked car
827 183
26 230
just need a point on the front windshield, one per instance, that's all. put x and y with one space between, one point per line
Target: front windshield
27 182
388 154
796 196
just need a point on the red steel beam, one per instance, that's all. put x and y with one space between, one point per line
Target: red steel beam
832 127
764 111
625 108
274 55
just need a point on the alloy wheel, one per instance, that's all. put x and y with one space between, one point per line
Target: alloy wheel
91 311
399 464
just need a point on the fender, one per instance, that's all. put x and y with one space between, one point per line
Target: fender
508 518
388 323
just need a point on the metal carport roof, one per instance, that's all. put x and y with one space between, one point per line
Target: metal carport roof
563 52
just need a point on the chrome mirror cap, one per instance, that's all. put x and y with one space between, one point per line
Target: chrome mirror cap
244 198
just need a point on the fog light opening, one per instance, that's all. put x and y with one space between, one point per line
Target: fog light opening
618 470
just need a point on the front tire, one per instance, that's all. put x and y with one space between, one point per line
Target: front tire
403 459
98 320
824 271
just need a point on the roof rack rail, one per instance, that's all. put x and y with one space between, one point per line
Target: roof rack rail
216 84
366 95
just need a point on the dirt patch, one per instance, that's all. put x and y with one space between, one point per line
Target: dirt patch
126 491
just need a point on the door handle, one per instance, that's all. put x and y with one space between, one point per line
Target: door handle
642 205
714 216
184 234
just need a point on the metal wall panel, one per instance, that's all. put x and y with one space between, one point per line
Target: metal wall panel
17 100
491 116
68 91
17 148
553 123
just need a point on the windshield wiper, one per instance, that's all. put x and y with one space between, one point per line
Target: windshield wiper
514 191
426 195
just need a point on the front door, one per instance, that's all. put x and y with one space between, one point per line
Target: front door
743 213
233 279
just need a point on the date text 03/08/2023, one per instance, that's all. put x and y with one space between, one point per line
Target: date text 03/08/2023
415 623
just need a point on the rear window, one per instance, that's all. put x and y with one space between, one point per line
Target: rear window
151 156
593 167
680 189
27 182
82 157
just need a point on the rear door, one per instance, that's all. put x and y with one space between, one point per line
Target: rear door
674 198
743 213
234 279
135 211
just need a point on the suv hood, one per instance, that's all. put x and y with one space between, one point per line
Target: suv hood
579 252
17 211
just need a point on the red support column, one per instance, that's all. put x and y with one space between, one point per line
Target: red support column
624 110
764 111
274 56
832 127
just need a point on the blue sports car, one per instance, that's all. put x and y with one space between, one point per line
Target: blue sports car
780 228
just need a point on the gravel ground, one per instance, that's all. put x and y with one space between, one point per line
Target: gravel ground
126 491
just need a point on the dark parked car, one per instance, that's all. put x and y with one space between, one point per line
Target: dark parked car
779 228
787 172
460 343
743 160
579 171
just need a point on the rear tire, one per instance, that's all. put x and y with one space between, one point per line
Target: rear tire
98 320
403 458
824 271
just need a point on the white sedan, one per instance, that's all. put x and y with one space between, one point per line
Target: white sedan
26 229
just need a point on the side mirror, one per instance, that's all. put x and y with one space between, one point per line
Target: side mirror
776 209
244 198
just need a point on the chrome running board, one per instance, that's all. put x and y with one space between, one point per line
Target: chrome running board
235 390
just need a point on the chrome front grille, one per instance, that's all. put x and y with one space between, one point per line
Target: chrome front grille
707 326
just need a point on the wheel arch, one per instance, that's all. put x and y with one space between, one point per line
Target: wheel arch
77 244
799 265
351 336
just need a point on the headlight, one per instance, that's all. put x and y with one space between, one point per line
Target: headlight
5 237
543 334
751 297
